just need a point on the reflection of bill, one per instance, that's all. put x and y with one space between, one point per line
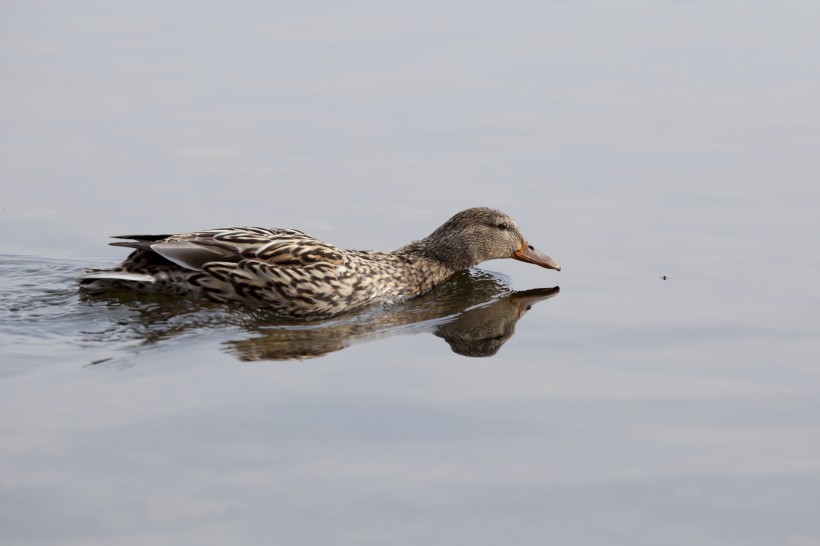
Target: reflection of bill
475 312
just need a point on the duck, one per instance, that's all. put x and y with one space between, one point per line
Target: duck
298 276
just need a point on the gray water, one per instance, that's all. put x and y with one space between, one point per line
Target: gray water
631 140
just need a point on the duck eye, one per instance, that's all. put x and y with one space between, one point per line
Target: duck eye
503 225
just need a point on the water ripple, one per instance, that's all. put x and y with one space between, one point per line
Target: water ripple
43 317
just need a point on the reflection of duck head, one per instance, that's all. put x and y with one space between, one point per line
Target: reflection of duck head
482 331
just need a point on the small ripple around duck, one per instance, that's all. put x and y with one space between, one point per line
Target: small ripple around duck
44 319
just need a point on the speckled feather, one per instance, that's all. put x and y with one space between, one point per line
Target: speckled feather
299 276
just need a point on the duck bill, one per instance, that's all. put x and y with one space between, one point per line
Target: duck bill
528 253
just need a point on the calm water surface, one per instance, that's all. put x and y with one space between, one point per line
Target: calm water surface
631 142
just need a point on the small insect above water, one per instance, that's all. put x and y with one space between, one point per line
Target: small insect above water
663 277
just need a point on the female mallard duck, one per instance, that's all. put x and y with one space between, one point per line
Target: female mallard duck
298 276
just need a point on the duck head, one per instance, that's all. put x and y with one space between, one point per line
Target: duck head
475 235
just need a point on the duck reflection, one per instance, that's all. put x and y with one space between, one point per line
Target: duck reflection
475 312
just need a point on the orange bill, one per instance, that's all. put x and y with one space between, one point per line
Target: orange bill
528 253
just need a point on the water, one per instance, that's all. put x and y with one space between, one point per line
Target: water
631 141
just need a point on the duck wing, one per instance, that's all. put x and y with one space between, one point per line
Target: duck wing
278 247
284 270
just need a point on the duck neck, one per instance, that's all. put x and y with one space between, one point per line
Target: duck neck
450 252
419 268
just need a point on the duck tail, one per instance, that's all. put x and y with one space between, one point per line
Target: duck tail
103 280
102 275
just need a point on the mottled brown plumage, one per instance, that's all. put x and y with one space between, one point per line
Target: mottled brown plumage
298 276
